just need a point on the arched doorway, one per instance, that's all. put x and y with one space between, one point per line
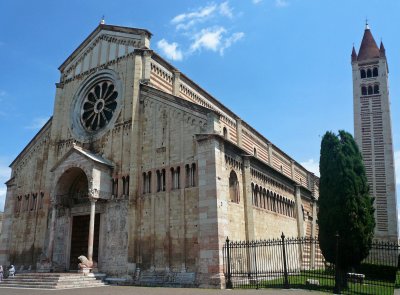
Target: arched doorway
72 191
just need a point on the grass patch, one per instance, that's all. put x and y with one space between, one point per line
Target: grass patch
326 281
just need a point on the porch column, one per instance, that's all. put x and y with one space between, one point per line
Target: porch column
52 229
91 228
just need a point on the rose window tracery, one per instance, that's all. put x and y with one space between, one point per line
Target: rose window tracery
99 106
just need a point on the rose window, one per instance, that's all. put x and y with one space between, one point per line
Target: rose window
99 105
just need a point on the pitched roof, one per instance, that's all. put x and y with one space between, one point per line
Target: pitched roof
85 153
368 47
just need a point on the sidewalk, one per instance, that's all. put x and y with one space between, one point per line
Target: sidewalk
118 290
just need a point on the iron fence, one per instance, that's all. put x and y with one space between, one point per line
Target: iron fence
299 263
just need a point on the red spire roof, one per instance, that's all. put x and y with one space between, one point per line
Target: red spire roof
353 54
382 50
368 48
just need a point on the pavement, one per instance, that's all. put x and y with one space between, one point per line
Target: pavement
120 290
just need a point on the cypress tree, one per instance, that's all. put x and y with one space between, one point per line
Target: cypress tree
345 205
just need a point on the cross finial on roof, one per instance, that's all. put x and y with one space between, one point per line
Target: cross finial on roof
366 24
102 22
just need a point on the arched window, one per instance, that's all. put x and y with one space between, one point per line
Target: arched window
369 73
127 185
364 90
149 182
376 89
193 175
264 199
255 152
123 185
18 204
178 177
175 177
146 182
161 180
363 74
375 72
370 90
34 202
27 198
252 193
187 176
225 132
256 195
114 186
41 200
190 175
234 188
172 178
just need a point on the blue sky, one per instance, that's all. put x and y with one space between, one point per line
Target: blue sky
281 65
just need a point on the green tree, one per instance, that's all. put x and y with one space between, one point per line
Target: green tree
345 205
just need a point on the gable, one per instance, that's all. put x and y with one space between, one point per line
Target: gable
106 43
78 155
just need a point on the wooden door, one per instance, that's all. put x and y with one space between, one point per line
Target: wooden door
80 237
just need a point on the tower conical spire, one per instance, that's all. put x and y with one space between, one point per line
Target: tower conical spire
368 47
353 54
382 50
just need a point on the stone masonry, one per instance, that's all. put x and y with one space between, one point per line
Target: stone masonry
146 174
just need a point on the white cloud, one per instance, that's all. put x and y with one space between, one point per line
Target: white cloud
256 1
214 39
3 192
225 9
5 172
397 166
201 29
231 40
209 38
170 50
312 166
37 123
281 3
186 20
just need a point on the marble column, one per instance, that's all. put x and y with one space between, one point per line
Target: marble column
300 220
299 212
52 229
91 228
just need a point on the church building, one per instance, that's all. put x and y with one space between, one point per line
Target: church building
145 173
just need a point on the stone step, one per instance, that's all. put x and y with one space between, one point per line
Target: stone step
51 281
60 279
22 286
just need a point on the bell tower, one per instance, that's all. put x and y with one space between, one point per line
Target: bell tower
373 130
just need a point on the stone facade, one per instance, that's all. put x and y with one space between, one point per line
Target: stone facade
144 172
1 221
373 131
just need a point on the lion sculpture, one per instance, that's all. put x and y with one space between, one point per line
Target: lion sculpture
85 263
